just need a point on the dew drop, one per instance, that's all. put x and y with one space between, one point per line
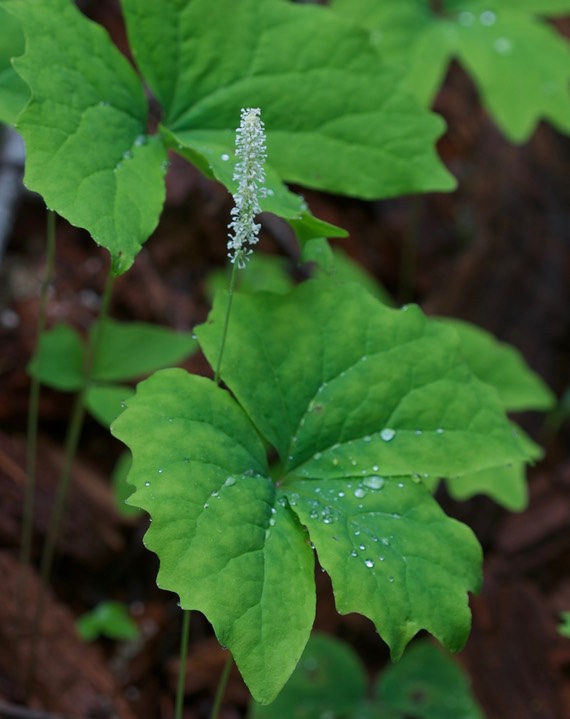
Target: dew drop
391 579
381 558
362 547
270 192
230 481
388 434
327 519
359 492
400 485
354 553
373 482
385 542
418 432
206 505
357 533
127 155
140 140
147 484
375 468
313 514
487 18
503 45
215 493
439 430
271 522
341 495
369 563
225 157
317 455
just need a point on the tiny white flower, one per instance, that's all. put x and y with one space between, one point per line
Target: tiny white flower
249 173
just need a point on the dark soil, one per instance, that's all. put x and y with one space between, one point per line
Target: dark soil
495 252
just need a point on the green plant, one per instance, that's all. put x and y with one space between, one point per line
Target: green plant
329 683
107 619
358 402
336 411
518 61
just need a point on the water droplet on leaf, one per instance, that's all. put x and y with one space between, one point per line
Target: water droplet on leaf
373 482
388 434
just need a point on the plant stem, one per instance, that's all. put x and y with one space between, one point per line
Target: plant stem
184 638
33 414
233 279
71 444
220 691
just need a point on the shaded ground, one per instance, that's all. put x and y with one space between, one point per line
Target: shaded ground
495 252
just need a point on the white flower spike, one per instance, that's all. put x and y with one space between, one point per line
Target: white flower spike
249 173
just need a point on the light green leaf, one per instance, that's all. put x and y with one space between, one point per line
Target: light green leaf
335 115
127 350
58 361
520 64
131 349
349 393
506 485
503 367
226 545
88 154
267 273
108 619
426 684
106 402
329 681
415 407
14 92
390 538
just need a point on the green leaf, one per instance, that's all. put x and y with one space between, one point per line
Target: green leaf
108 619
335 115
127 350
14 93
88 154
328 681
503 367
400 373
122 489
426 684
200 471
564 626
267 273
130 349
519 63
506 485
350 394
106 403
58 361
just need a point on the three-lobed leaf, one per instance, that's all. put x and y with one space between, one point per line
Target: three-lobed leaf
519 63
88 153
357 400
335 115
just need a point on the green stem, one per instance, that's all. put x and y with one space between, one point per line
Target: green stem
184 638
71 444
220 691
233 279
33 414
